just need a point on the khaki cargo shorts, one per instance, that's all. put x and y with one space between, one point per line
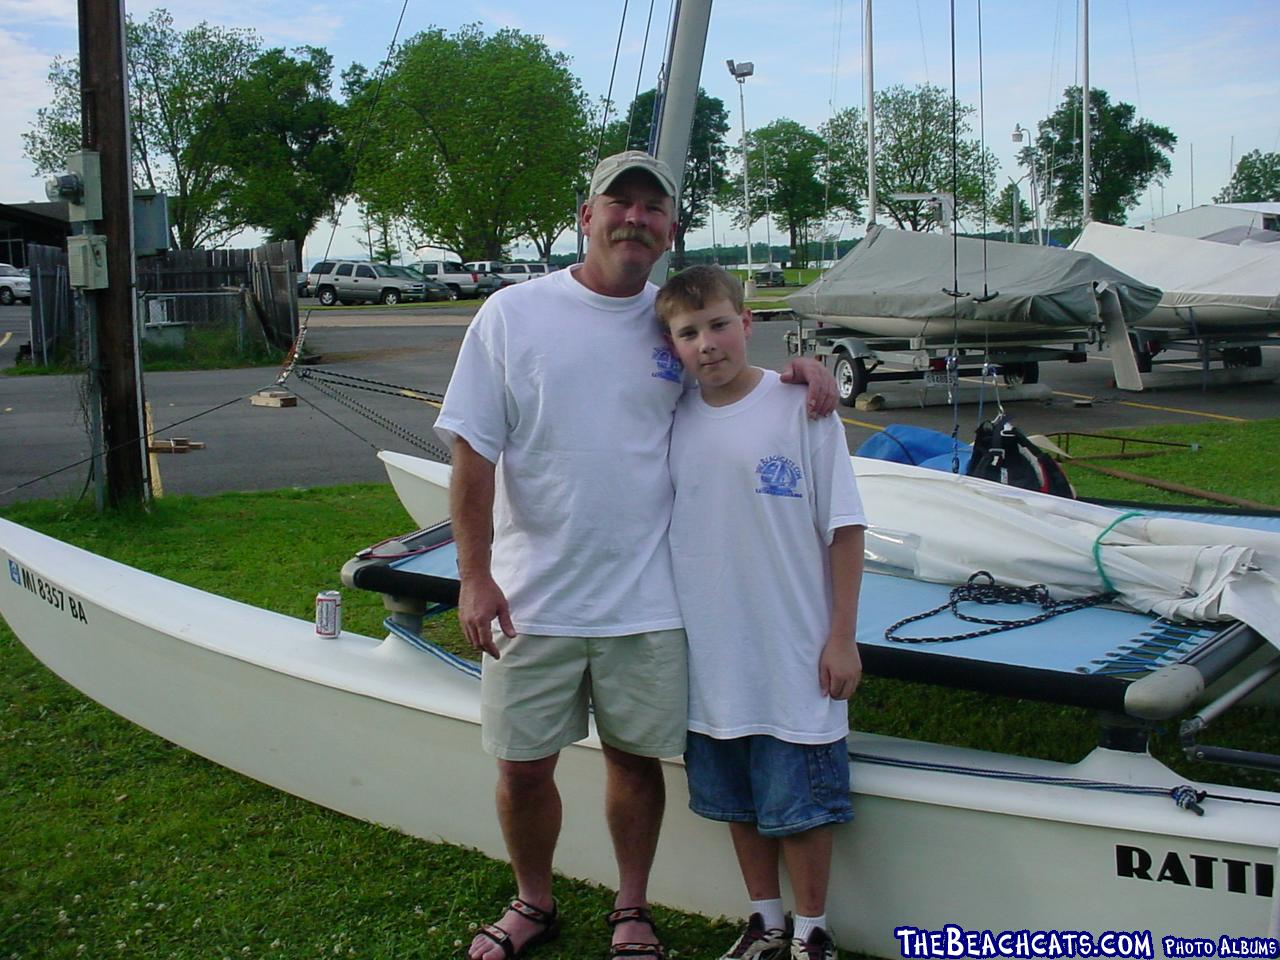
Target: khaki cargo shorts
534 699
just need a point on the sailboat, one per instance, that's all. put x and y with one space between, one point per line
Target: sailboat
943 836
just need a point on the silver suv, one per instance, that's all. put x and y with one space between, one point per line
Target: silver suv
342 281
15 284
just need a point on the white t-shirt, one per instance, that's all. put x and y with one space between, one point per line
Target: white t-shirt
760 489
571 394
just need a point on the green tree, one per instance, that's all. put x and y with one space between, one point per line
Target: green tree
284 163
914 155
175 79
705 166
846 160
1002 213
1256 179
1126 154
56 130
472 140
786 165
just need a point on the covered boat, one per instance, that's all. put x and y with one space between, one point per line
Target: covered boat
895 283
1210 289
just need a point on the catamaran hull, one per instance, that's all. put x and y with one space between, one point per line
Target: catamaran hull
385 733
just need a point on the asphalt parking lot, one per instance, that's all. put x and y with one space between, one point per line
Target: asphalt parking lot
322 441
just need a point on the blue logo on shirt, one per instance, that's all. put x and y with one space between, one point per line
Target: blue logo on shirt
780 477
669 365
15 574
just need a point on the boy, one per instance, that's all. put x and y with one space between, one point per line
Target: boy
766 542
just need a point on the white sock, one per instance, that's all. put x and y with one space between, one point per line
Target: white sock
771 912
806 925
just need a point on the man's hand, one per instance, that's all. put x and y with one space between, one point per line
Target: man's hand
480 599
821 398
840 668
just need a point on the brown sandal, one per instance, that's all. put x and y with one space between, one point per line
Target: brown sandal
622 915
550 922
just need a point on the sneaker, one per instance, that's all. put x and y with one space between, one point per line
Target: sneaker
819 946
757 943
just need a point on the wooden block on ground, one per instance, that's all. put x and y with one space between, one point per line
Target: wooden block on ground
869 401
273 398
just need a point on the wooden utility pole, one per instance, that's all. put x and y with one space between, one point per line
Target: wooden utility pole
105 129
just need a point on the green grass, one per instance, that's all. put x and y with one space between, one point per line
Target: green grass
1237 459
210 348
119 844
206 348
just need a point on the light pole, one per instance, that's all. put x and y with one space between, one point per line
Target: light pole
1018 134
740 72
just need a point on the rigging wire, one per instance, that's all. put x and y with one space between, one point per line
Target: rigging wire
924 52
1137 86
631 113
953 359
838 9
124 443
613 72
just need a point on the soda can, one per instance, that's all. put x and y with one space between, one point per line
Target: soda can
328 613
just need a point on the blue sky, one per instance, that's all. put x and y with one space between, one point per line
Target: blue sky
1206 71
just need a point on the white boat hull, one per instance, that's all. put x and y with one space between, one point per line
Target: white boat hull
944 331
385 733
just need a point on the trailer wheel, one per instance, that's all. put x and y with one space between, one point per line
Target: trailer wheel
1021 374
851 378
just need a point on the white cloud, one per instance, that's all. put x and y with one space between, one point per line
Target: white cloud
23 69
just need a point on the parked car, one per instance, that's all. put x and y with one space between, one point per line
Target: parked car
485 266
340 281
492 282
15 284
302 284
770 276
452 273
520 272
432 289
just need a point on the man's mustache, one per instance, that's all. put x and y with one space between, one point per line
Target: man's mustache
634 233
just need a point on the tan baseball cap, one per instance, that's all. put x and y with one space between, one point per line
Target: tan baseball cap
610 168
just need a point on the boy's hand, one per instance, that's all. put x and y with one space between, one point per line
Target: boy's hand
821 398
840 668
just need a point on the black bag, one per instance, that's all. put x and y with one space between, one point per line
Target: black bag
1002 452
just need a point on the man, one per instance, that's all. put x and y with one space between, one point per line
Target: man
559 416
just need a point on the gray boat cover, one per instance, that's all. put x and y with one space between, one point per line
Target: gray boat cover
899 273
1193 273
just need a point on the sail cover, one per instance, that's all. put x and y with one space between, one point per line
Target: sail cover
943 527
1192 273
903 274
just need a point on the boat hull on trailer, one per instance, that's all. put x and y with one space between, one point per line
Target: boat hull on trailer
385 733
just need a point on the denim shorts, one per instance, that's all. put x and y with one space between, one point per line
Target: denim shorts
783 788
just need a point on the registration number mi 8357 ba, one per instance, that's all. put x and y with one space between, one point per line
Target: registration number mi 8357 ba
51 594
